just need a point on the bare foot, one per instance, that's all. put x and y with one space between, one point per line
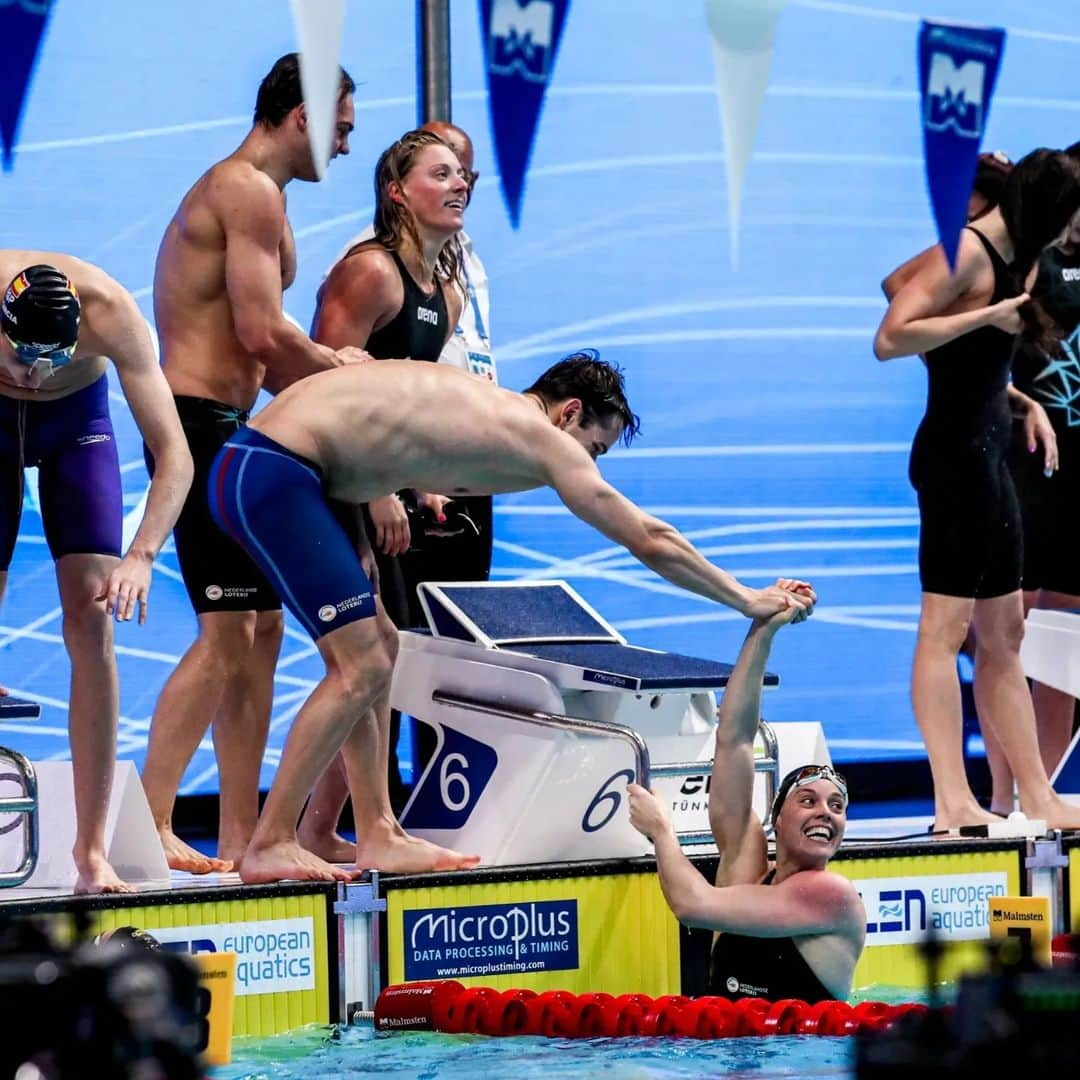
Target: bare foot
288 861
181 856
1055 811
393 851
330 847
97 876
970 813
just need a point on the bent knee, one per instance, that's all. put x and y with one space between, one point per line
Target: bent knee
363 678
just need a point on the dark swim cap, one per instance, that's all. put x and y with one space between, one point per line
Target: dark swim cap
40 315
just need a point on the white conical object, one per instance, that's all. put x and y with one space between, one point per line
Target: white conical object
320 26
742 42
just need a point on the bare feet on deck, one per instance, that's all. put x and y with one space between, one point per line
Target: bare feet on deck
97 876
181 856
968 813
330 847
389 849
1055 811
288 861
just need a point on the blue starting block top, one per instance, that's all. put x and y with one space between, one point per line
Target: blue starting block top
548 621
13 708
497 614
627 667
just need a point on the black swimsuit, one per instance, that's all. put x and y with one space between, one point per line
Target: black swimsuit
770 968
970 541
1050 506
418 330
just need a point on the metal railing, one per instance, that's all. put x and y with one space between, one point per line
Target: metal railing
642 767
24 807
645 771
769 764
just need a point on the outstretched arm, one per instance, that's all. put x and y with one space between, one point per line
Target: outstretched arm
810 902
660 546
113 326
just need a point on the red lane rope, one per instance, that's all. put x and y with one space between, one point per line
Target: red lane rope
448 1006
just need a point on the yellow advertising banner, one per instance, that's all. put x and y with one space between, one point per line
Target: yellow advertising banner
909 897
217 986
282 979
1024 917
597 932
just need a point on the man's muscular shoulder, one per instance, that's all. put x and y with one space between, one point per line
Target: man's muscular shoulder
235 189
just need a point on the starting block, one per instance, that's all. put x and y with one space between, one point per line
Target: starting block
1050 654
543 713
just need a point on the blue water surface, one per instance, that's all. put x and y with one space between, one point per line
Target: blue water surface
358 1051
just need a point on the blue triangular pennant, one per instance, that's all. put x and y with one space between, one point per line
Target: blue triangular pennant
958 67
22 23
521 40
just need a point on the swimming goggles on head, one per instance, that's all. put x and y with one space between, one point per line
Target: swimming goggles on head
32 355
808 774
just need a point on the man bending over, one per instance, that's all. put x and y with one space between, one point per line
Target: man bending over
365 430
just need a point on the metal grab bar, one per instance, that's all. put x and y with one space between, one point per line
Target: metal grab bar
769 764
25 806
642 766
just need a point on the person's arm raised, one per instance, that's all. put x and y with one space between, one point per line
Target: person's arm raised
660 546
736 829
252 212
913 324
113 326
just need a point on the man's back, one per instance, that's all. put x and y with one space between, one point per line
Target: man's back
201 352
390 424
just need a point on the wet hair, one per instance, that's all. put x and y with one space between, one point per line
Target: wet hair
596 383
1041 196
280 91
394 221
1073 151
990 175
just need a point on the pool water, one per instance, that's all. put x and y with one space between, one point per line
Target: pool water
359 1051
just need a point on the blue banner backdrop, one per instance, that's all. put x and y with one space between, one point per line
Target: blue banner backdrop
958 67
521 40
22 24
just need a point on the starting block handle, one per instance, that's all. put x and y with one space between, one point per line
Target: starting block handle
768 764
642 766
26 806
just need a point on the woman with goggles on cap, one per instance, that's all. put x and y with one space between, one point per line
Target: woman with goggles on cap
61 321
785 929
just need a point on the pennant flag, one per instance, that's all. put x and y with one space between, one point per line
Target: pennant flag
320 26
742 44
958 67
22 24
521 40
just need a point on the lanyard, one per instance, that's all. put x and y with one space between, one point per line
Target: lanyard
470 289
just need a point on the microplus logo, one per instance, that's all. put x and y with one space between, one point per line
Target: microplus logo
956 907
272 955
491 939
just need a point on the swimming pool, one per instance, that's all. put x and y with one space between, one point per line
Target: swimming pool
359 1051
